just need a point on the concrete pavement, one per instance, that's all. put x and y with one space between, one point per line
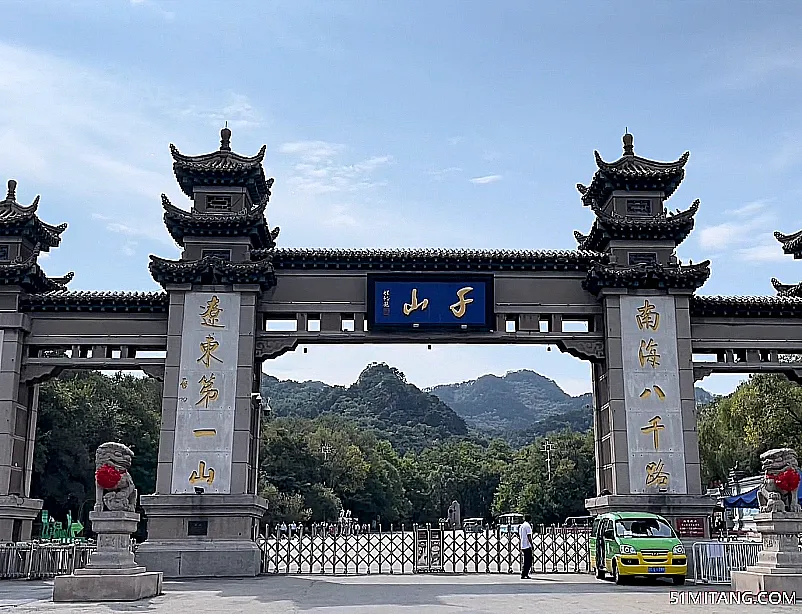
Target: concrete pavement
397 594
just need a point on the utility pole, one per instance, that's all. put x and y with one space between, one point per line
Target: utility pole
326 450
547 450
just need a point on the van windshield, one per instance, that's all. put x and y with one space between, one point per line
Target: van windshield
642 527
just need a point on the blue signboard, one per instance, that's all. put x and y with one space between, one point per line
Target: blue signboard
452 303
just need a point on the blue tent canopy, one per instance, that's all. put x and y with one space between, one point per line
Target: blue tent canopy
748 499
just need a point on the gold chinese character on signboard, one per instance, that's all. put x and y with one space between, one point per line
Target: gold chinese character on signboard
210 316
655 476
647 354
653 428
208 348
648 317
647 392
460 307
207 392
184 383
202 474
415 305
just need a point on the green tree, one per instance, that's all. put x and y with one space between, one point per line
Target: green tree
525 487
764 412
77 412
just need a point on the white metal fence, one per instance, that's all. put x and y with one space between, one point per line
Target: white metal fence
424 549
37 560
714 562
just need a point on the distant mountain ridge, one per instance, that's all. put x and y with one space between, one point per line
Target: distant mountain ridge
518 406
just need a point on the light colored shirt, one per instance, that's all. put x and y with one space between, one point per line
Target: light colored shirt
525 533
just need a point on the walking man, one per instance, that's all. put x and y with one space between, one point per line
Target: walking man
525 533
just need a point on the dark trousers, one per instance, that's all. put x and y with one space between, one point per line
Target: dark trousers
527 562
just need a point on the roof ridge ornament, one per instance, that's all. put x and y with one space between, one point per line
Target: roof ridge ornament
629 149
225 138
12 190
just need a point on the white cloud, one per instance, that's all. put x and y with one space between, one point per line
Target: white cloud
88 141
237 111
312 151
486 179
154 6
768 249
443 172
320 169
753 220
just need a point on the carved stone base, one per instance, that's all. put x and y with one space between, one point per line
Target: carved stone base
111 574
192 536
779 564
107 587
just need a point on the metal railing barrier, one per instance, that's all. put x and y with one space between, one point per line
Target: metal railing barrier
714 561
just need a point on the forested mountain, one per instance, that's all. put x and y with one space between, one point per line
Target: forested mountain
518 407
381 400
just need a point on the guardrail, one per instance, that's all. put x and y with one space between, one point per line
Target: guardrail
714 562
37 561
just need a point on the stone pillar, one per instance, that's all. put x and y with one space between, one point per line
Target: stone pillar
646 440
779 564
18 407
203 518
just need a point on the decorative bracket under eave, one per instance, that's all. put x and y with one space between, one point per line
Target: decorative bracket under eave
584 349
273 348
36 374
154 371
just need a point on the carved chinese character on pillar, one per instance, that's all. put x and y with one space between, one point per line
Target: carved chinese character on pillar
652 395
204 435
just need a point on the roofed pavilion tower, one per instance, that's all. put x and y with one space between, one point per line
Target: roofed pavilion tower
204 516
792 246
646 443
23 237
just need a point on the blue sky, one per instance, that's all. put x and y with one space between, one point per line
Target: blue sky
406 124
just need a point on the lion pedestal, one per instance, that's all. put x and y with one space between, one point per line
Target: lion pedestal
779 564
111 574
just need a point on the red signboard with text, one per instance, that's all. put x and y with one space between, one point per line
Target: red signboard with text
691 527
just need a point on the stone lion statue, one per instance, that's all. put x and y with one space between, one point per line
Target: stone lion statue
779 491
114 488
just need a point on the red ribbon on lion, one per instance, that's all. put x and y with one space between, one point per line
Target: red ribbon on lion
788 480
108 477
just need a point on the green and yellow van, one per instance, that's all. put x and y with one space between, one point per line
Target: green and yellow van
628 544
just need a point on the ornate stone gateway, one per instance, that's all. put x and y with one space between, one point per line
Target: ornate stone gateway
622 301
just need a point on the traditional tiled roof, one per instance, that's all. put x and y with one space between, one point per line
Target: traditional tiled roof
222 168
609 226
430 259
632 173
17 220
643 277
792 244
248 222
746 306
28 275
107 302
212 270
787 289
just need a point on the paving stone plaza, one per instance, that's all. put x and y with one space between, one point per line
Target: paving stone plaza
422 594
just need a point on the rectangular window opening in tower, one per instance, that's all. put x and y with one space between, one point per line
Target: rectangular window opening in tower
642 258
639 207
218 204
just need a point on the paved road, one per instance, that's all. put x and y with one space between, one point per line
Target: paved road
409 594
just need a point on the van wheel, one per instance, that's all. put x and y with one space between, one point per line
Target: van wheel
617 578
679 580
600 570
